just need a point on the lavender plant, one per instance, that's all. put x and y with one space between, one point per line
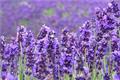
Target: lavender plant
91 54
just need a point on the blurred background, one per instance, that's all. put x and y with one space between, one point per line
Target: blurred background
56 14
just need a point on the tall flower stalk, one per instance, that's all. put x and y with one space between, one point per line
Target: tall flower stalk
92 53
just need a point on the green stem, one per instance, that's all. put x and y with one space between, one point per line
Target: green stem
66 77
27 77
21 74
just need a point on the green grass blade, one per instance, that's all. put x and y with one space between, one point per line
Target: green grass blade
66 77
21 74
94 74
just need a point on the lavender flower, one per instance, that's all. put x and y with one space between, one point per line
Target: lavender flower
92 53
14 57
5 61
106 76
117 76
40 67
69 53
113 8
43 32
2 46
80 78
30 59
21 32
41 64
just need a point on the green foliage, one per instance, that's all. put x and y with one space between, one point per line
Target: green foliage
23 22
21 73
94 74
48 12
66 77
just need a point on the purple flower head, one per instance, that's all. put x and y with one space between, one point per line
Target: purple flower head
30 52
80 78
29 39
106 76
64 37
40 69
116 58
21 32
4 70
11 77
7 52
68 52
117 76
90 57
113 7
2 45
99 13
87 25
43 32
30 59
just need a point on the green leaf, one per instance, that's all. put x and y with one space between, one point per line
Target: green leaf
49 12
100 76
66 77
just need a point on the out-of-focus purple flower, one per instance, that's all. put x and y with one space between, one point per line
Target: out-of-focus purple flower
80 78
11 77
117 76
106 76
2 45
4 71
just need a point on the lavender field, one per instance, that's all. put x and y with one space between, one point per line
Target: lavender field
59 40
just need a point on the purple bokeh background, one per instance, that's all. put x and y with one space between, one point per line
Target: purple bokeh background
56 14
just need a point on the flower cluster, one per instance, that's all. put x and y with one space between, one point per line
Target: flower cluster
91 54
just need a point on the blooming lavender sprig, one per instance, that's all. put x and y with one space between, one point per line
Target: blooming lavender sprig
114 8
2 46
86 39
4 71
30 54
40 67
53 54
69 53
21 34
5 61
43 32
21 39
117 61
30 60
91 54
64 45
14 57
106 76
